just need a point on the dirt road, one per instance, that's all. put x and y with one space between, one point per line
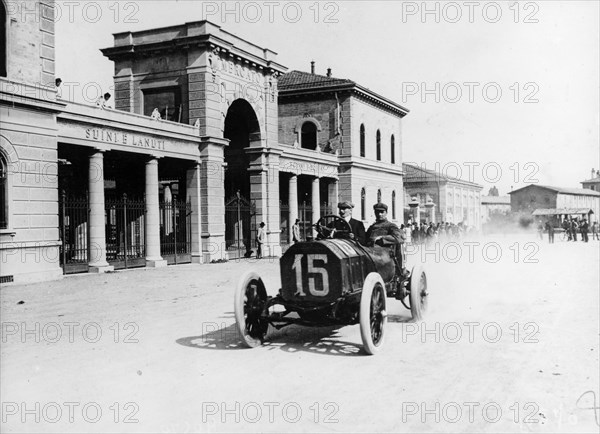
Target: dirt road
510 344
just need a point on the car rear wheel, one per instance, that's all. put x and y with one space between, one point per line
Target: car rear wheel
250 300
373 316
418 293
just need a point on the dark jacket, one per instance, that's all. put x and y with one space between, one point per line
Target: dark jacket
357 227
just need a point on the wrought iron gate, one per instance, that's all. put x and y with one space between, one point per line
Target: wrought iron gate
176 231
74 233
240 224
125 232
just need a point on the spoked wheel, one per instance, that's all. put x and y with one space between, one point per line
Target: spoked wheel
373 316
418 293
250 300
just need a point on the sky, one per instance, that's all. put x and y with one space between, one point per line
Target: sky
499 93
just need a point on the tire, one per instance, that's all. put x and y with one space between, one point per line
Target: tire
250 299
418 293
373 316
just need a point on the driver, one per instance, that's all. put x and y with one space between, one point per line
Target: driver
385 233
358 229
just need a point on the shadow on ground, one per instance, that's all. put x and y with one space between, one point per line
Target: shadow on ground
292 339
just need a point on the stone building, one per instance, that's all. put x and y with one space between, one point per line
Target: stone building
351 135
546 200
440 197
287 145
208 138
81 186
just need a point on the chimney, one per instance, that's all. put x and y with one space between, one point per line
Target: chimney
328 72
312 67
593 171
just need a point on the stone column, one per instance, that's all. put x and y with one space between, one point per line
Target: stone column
193 191
333 196
212 185
316 203
153 258
263 171
293 203
97 258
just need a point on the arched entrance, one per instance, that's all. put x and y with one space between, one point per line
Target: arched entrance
242 129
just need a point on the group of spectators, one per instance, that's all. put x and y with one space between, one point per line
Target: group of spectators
425 233
571 227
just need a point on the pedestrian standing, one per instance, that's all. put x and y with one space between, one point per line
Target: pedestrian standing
584 228
595 231
260 239
550 229
296 231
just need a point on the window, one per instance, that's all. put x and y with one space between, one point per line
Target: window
3 193
3 39
393 202
308 138
362 140
166 100
393 149
363 199
378 146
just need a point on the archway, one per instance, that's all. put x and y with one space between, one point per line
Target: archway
241 128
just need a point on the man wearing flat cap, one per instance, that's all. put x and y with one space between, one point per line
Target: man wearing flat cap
383 232
358 229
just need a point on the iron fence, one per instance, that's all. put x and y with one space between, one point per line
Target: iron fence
176 231
240 224
74 233
125 232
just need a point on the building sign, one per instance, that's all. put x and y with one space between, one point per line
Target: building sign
122 138
308 168
217 63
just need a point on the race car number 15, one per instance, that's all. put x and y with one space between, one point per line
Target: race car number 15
312 271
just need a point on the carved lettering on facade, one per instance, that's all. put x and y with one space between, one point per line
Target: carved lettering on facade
228 66
122 138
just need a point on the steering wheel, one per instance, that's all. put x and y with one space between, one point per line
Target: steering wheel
332 226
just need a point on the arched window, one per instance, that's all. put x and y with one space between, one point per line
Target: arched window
393 203
3 192
308 139
378 145
393 149
378 196
3 40
362 140
363 201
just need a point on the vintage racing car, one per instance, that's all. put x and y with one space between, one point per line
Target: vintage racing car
333 280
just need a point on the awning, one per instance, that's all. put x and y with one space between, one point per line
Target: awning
562 211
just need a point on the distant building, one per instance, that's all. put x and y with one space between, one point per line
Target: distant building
491 205
545 200
593 183
441 197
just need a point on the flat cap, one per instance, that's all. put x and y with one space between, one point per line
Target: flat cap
380 205
345 204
